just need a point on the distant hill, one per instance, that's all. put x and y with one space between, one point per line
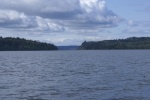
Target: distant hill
67 47
129 43
20 44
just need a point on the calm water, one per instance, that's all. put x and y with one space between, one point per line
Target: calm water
75 75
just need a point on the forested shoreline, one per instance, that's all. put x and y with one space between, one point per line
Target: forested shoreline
129 43
21 44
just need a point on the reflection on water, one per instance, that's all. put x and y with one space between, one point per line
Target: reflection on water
75 75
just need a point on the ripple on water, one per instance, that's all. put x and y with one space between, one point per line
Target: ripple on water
75 75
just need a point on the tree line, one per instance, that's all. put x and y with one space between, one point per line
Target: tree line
21 44
129 43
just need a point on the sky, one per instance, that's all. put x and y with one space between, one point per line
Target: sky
70 22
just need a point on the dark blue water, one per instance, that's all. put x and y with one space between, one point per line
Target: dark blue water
75 75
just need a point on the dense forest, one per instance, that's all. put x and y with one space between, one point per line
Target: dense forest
20 44
129 43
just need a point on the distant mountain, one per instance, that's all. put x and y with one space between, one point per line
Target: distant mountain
129 43
20 44
67 47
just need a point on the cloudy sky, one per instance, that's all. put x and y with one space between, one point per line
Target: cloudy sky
70 22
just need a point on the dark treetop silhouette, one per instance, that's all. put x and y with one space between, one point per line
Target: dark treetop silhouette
20 44
129 43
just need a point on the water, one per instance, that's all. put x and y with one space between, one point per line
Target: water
75 75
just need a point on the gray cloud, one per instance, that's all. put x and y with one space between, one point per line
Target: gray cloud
56 15
94 14
15 20
45 8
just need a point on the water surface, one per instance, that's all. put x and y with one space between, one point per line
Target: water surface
75 75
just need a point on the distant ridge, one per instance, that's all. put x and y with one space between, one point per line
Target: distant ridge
20 44
129 43
67 47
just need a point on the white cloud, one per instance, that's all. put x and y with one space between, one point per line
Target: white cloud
95 14
15 20
132 23
136 31
83 14
47 25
